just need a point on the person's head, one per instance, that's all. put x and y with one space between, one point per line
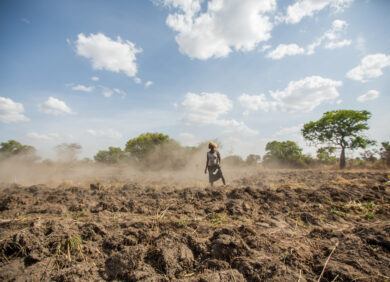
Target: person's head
212 146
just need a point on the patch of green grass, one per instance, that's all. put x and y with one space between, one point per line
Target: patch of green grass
217 218
369 216
366 210
180 223
83 213
21 216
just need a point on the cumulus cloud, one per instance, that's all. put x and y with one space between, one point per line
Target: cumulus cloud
370 67
299 96
207 108
50 137
331 38
83 88
370 95
11 111
107 54
224 26
306 94
55 107
308 8
94 78
255 102
285 50
111 134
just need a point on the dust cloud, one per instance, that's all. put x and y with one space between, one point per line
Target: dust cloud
166 165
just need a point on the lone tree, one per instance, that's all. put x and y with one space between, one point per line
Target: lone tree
342 128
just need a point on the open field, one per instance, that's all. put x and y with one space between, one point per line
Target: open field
281 225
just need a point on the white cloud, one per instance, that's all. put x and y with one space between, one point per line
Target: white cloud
338 44
293 130
119 91
265 47
299 96
50 137
55 107
83 88
108 54
224 26
137 80
206 109
307 8
331 38
285 50
235 127
111 134
94 78
306 94
11 111
108 92
370 95
370 67
148 83
255 102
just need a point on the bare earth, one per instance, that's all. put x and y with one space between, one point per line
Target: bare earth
271 226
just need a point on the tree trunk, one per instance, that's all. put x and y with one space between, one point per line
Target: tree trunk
342 158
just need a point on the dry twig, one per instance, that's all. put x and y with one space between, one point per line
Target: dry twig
326 263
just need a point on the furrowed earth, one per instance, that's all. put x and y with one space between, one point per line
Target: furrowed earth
275 225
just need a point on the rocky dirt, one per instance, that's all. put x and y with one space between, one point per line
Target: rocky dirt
272 226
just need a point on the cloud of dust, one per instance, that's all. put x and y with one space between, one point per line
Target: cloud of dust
167 164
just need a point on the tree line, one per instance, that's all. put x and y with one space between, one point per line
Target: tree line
336 130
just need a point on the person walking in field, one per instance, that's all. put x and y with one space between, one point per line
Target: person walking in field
213 164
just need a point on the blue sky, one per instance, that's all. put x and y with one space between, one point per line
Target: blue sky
246 72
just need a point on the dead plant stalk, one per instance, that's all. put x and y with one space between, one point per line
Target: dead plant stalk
326 263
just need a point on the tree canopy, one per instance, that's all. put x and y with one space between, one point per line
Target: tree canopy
286 152
14 148
326 154
142 145
342 128
111 156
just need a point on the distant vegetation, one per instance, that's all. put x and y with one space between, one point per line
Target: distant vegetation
336 130
14 149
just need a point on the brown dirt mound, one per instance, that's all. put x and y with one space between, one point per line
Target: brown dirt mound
272 226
